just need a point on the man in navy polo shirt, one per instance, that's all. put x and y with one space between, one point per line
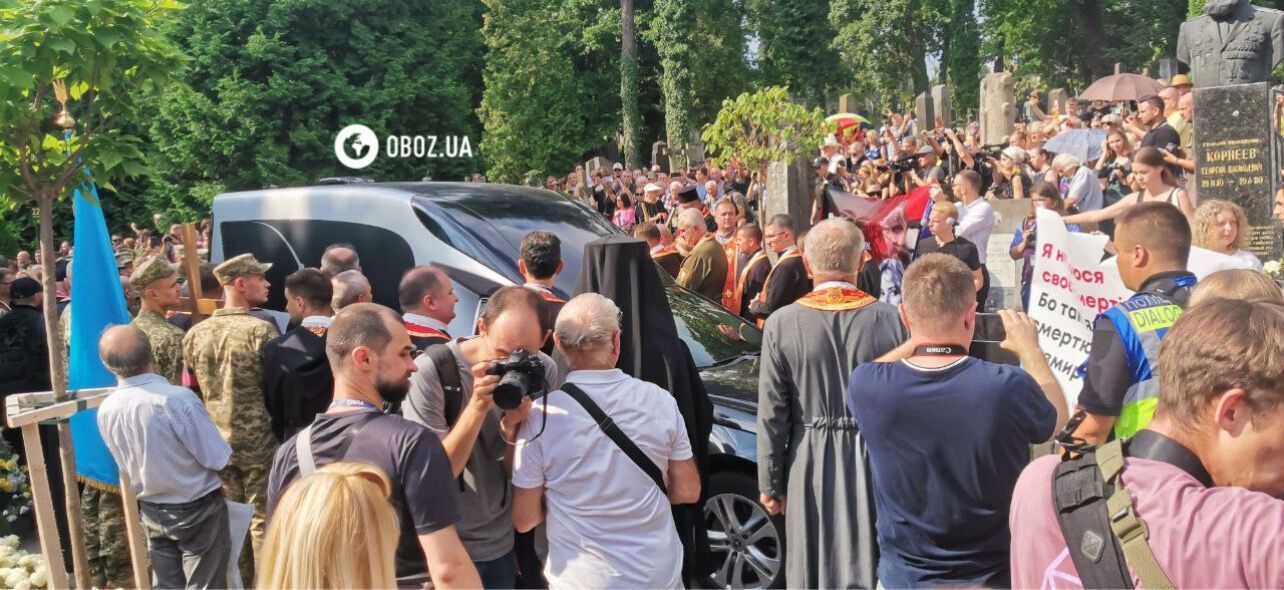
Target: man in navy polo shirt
949 434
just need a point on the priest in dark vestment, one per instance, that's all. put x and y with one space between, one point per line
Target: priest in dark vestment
619 268
540 261
788 279
666 255
753 270
427 299
297 382
812 463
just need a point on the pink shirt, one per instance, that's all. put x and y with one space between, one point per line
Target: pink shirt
1221 537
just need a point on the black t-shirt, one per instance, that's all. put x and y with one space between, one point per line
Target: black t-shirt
958 248
1163 137
423 486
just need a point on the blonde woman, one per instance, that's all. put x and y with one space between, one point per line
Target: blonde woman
1220 226
332 529
1239 283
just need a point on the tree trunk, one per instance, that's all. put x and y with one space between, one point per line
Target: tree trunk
58 381
632 116
1088 15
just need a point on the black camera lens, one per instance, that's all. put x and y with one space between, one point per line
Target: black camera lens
512 387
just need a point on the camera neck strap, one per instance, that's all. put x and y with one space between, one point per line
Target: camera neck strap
616 435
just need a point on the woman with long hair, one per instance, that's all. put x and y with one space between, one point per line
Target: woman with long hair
332 529
1157 184
1220 226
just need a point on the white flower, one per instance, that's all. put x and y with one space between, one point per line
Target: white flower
1272 267
23 585
28 561
40 578
9 541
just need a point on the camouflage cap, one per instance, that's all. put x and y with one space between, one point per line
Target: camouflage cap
244 264
124 259
150 270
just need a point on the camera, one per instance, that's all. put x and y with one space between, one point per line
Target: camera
522 375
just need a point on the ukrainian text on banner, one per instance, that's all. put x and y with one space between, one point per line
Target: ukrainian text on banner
1068 290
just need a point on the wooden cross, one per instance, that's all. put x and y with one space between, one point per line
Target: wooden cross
26 411
190 267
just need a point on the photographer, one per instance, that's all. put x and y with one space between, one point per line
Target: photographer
473 429
610 525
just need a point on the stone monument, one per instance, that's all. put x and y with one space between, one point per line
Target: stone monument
789 192
1233 42
998 108
660 155
923 111
943 103
1167 69
1232 146
1057 98
599 163
847 103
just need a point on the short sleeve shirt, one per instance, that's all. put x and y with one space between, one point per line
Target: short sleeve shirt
1220 537
958 248
966 430
423 486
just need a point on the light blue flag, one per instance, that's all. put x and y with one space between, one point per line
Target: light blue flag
97 303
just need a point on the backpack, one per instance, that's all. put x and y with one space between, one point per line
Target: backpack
443 359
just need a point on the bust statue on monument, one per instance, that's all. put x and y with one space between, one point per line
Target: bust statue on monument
1233 42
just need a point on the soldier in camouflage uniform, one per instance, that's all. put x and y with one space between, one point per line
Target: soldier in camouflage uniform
224 356
156 282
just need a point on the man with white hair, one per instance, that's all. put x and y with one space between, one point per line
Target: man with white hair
705 269
1085 190
605 508
349 286
810 454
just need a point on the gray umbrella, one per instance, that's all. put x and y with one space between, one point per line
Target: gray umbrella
1084 144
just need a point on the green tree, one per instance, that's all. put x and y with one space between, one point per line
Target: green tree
762 127
792 51
961 54
887 41
271 83
631 116
674 26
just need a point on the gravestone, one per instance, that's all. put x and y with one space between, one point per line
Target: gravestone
1167 69
998 108
660 155
1232 145
1057 98
847 103
789 192
695 150
924 112
599 163
943 103
1005 273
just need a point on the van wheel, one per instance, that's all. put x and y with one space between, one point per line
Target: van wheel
748 546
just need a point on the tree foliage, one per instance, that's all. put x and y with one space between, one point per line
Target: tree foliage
762 127
674 26
792 48
271 83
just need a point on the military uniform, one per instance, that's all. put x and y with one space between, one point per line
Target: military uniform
1240 50
166 339
705 269
224 354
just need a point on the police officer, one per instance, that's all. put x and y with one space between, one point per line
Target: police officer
1120 377
224 357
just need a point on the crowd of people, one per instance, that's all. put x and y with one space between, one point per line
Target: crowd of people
377 449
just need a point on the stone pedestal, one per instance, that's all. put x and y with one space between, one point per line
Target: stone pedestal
998 108
924 111
847 104
943 102
1232 145
1057 98
1005 273
789 192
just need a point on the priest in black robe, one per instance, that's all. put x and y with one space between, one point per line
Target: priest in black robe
297 381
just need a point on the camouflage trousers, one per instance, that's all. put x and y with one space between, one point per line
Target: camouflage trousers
106 542
248 485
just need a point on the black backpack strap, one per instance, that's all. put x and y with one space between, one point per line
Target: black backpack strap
443 359
1080 492
617 436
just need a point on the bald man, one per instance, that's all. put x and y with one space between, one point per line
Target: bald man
427 299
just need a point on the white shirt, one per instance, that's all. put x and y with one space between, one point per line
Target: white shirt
1248 259
162 437
316 321
423 320
1086 189
976 223
609 526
